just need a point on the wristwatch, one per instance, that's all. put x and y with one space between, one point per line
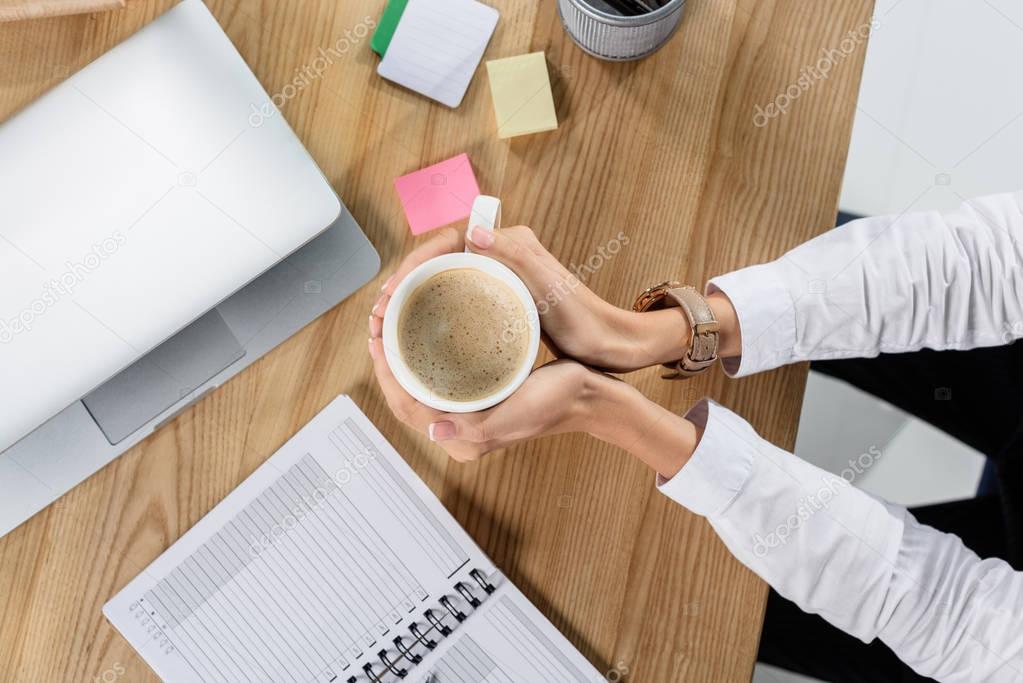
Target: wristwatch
703 344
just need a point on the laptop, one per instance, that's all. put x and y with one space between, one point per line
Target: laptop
156 238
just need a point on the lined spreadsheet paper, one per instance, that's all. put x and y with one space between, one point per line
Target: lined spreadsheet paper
438 46
332 562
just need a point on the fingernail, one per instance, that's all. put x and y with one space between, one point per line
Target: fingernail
441 431
372 349
484 239
378 304
387 283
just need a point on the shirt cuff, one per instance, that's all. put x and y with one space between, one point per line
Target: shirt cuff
720 466
767 318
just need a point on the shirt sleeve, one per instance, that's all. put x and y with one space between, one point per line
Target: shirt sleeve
865 566
886 284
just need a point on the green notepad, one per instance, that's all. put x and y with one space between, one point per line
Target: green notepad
388 24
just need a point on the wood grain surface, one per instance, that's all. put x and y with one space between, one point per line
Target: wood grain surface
20 10
664 150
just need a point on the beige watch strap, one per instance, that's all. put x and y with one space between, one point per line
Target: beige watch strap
703 348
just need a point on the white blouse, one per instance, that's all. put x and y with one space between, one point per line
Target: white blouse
887 284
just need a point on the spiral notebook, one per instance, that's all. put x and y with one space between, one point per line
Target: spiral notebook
334 562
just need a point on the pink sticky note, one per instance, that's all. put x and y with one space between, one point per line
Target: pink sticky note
438 195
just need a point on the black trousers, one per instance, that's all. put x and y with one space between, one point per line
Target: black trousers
975 396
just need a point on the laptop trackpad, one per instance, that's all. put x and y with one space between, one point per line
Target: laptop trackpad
165 376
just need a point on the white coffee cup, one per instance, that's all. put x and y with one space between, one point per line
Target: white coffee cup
486 213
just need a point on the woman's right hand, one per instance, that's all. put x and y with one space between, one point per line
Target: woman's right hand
577 322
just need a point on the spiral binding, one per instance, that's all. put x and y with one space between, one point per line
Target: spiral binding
481 579
392 661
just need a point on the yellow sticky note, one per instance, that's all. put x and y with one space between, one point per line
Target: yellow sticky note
521 89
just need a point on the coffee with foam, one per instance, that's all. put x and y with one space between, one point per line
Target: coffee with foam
463 334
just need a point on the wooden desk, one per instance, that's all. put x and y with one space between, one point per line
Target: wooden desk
664 150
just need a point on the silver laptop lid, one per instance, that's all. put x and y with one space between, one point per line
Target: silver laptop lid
133 198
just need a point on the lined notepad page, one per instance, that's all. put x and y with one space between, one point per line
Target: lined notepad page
315 565
438 46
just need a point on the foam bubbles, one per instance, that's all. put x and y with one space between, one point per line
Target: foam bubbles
463 333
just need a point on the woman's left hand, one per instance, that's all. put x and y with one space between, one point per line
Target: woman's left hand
562 396
554 399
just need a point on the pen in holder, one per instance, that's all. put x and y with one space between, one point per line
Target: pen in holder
621 30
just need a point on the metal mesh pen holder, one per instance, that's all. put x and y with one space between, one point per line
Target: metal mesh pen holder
618 38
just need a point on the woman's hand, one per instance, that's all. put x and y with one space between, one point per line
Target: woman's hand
555 399
560 397
576 322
